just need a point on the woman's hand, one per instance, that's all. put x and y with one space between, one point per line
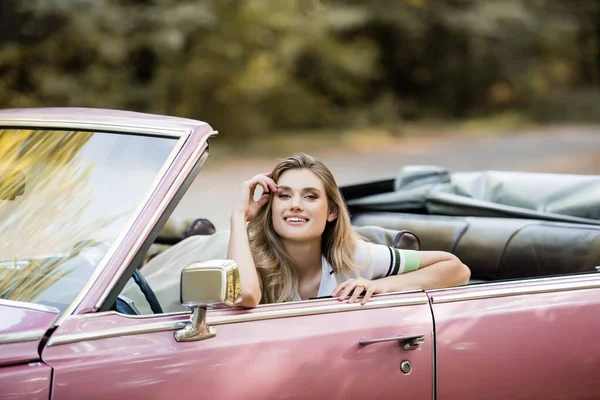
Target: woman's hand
357 287
437 269
246 205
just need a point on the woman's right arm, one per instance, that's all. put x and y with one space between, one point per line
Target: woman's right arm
239 245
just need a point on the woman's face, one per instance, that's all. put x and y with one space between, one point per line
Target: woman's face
300 208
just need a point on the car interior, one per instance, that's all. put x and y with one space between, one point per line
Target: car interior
497 228
500 248
493 248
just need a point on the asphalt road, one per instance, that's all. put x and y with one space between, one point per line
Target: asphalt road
557 150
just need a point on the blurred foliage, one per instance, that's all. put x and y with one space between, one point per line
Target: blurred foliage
253 67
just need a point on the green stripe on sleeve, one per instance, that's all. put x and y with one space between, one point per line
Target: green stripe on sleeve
412 260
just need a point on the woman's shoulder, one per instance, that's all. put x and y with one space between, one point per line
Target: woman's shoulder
364 253
363 250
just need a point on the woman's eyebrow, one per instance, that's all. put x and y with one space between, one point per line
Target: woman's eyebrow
311 189
306 189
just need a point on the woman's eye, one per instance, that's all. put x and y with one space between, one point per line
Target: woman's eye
311 197
284 196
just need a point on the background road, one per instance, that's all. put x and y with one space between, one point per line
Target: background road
560 150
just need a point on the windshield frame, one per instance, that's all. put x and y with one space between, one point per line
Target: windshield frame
158 129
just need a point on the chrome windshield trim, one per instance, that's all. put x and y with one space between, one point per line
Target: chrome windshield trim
71 125
25 336
31 306
195 156
514 291
225 319
119 239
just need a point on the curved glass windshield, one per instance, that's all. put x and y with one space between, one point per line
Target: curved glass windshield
65 196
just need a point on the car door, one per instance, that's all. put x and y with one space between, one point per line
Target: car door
306 349
22 328
535 339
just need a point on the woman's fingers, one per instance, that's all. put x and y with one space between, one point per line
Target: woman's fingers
367 295
357 291
356 287
347 289
339 288
271 183
248 192
267 183
264 199
252 183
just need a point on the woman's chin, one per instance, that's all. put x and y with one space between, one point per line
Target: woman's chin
298 235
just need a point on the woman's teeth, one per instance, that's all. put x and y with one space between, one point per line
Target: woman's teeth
294 219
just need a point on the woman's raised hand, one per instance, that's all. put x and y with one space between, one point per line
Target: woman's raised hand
246 206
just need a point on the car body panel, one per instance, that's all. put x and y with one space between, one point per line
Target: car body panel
21 329
519 341
25 382
306 351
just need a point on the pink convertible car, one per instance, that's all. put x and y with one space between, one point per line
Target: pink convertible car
84 314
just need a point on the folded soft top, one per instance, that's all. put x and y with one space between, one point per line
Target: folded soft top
434 190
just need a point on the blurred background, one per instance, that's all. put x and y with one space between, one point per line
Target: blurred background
367 86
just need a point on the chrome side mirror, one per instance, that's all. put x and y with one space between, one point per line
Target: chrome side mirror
214 283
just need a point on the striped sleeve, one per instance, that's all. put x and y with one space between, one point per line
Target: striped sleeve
379 261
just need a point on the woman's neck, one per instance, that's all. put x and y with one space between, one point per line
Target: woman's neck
306 256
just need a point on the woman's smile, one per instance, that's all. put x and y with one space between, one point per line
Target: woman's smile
296 220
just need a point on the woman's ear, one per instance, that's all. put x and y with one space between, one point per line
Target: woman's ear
333 214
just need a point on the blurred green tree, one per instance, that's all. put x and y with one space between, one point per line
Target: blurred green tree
252 67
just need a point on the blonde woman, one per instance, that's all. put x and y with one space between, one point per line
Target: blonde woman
296 242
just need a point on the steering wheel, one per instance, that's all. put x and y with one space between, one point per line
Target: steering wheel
137 276
148 292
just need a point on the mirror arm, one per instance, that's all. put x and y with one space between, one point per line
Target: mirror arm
197 328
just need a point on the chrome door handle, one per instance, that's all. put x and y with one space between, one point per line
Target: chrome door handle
408 342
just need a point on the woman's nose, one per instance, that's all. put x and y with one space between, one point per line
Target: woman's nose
297 203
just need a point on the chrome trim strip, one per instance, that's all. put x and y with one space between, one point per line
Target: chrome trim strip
119 239
301 312
121 331
25 336
518 291
258 307
525 281
72 125
195 156
227 319
113 313
32 306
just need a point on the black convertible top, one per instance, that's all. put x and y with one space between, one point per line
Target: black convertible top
434 190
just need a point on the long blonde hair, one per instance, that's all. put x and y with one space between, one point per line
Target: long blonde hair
272 260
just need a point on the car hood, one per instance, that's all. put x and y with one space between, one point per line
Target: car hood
22 327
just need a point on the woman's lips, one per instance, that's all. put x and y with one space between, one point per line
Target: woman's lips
296 221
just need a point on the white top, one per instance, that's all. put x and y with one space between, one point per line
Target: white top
374 261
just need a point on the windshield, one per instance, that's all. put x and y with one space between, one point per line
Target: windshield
64 198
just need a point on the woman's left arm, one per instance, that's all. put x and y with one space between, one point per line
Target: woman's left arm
437 269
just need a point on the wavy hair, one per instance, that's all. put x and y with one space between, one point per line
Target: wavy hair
273 262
